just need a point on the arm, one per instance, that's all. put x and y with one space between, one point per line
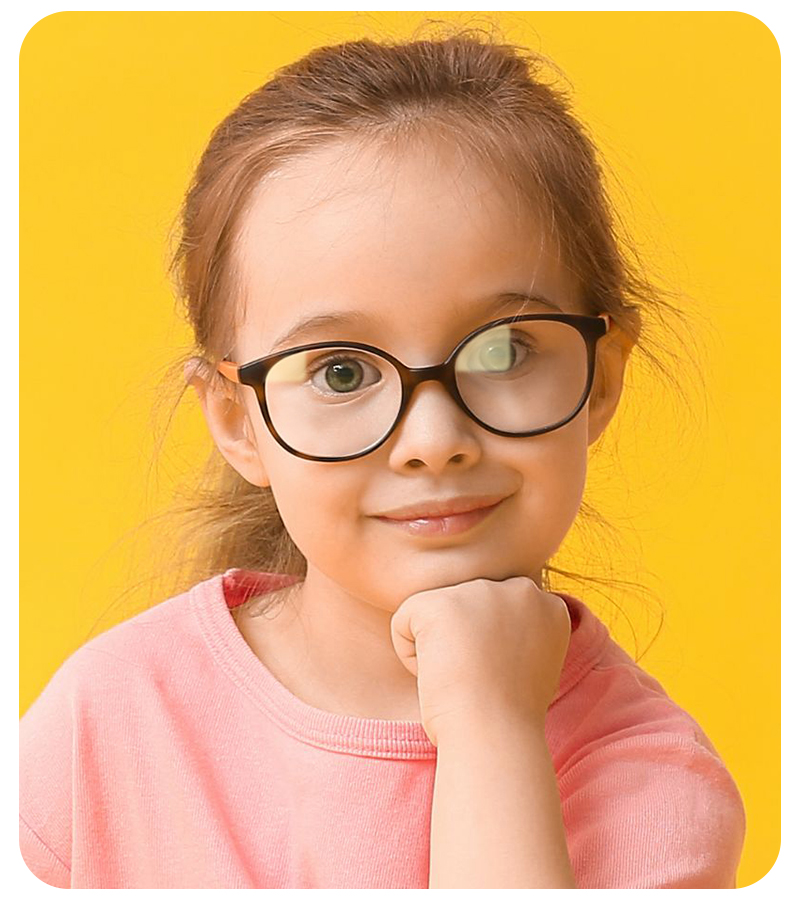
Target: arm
496 818
47 735
652 810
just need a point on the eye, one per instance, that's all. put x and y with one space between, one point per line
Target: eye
342 374
499 354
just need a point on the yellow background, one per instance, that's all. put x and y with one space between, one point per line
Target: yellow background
115 110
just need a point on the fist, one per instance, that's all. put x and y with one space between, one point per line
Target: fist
480 647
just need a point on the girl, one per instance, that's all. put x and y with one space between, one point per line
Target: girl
412 320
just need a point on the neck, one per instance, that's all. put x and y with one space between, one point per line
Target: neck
334 651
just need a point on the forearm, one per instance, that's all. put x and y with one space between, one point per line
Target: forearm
496 818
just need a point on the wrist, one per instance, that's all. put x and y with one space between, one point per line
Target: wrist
473 723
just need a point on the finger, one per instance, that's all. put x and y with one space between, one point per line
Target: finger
403 640
563 605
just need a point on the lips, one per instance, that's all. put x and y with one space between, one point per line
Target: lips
451 523
442 508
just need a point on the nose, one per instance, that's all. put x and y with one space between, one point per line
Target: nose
433 432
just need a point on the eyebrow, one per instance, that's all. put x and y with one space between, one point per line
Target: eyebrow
308 326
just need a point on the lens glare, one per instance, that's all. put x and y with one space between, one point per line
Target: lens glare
522 376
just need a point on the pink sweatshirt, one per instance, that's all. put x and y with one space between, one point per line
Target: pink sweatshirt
163 754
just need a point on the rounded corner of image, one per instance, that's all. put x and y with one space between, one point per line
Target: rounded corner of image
763 25
36 27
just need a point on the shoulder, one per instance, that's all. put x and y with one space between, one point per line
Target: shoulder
147 648
121 684
607 696
146 640
647 800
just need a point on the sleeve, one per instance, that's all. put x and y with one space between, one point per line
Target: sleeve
45 779
40 859
652 811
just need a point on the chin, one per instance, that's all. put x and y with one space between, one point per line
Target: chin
432 575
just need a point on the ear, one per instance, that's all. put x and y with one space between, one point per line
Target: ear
228 420
613 351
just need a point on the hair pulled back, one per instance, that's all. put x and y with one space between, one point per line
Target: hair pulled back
498 102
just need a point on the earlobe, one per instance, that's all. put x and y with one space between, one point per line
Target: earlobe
260 477
228 422
600 408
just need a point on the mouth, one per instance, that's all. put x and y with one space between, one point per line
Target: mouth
455 523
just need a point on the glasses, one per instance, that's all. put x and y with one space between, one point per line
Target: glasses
339 400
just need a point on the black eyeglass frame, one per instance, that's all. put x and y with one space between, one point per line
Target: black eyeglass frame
254 374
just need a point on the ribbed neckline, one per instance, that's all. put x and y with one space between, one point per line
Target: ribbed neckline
212 601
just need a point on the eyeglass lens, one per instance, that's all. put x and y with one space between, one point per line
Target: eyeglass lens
516 377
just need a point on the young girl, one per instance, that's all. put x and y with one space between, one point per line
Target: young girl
412 320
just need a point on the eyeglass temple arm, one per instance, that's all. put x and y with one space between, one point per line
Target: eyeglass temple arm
229 370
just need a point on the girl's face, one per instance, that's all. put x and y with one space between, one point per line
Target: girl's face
419 247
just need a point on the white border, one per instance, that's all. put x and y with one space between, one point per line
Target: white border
777 16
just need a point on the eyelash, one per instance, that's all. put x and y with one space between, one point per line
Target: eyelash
321 363
325 361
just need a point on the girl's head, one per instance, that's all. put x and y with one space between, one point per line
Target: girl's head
399 194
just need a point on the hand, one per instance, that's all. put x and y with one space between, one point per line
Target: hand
480 647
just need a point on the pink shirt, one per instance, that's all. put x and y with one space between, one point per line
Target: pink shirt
163 754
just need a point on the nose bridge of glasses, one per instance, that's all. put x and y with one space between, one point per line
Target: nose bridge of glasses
442 374
417 375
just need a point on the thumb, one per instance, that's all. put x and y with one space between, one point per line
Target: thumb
403 638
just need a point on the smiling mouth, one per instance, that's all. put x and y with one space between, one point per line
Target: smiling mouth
456 523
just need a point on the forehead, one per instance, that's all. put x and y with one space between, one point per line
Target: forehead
405 240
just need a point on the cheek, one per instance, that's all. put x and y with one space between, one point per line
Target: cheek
554 474
319 508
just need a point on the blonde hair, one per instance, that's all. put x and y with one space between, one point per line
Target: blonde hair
497 100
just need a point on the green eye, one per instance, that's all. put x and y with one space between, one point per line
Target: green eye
344 377
497 357
341 374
